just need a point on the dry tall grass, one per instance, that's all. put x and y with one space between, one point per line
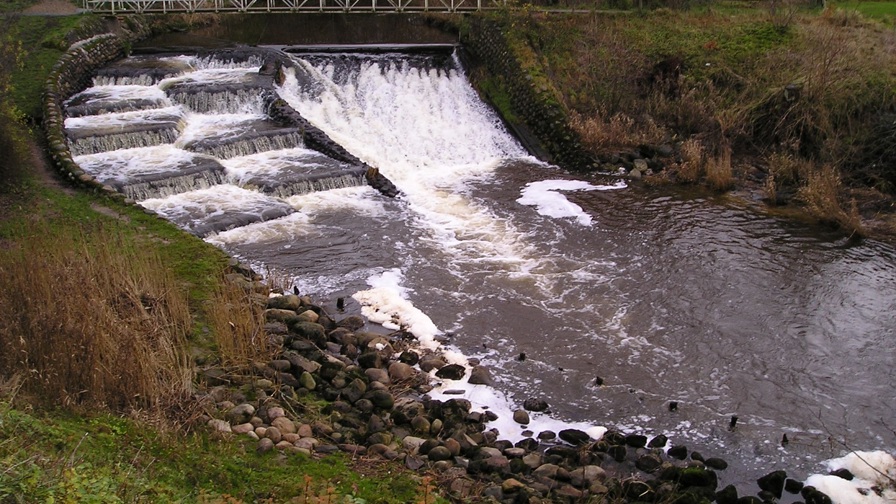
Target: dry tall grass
237 324
691 166
91 319
719 172
821 193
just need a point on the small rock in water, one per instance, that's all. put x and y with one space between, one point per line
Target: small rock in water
599 381
843 473
673 405
521 417
521 357
451 372
678 452
732 424
658 442
716 463
533 404
773 482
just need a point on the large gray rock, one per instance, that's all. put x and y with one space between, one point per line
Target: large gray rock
300 363
218 425
480 375
240 414
585 476
310 331
439 453
574 436
352 322
277 315
354 390
381 398
285 425
287 302
399 371
307 381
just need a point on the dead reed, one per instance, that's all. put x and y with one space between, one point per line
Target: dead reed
91 319
237 324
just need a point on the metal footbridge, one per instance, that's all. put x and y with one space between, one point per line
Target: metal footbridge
286 6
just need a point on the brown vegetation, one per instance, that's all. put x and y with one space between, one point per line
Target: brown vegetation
237 324
91 319
737 87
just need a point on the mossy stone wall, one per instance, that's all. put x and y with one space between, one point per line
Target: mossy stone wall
536 114
98 45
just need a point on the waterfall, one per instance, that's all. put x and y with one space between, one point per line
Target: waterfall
129 140
314 185
247 146
129 80
221 102
173 185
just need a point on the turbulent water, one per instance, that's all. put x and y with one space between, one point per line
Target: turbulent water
622 299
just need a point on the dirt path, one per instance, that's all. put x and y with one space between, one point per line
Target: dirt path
53 8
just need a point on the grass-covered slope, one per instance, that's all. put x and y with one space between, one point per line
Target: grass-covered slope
798 102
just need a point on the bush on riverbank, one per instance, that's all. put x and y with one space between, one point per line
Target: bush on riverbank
742 85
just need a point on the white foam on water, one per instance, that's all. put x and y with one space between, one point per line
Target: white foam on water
546 197
211 202
291 227
120 119
124 164
387 303
362 200
212 76
271 163
203 126
122 93
874 482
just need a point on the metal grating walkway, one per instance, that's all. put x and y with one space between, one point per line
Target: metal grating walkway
189 6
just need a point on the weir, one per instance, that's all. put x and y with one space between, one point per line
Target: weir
251 142
158 185
216 101
141 136
315 184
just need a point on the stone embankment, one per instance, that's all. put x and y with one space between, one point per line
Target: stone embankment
374 389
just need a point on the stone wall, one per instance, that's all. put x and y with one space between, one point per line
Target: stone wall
97 44
538 118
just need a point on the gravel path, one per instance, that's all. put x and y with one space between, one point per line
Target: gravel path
53 8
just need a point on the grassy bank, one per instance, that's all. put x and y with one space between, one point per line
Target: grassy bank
795 103
59 457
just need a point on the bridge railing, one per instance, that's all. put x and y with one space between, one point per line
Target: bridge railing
166 6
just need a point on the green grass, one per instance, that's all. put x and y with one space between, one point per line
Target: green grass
102 458
43 39
883 11
9 6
